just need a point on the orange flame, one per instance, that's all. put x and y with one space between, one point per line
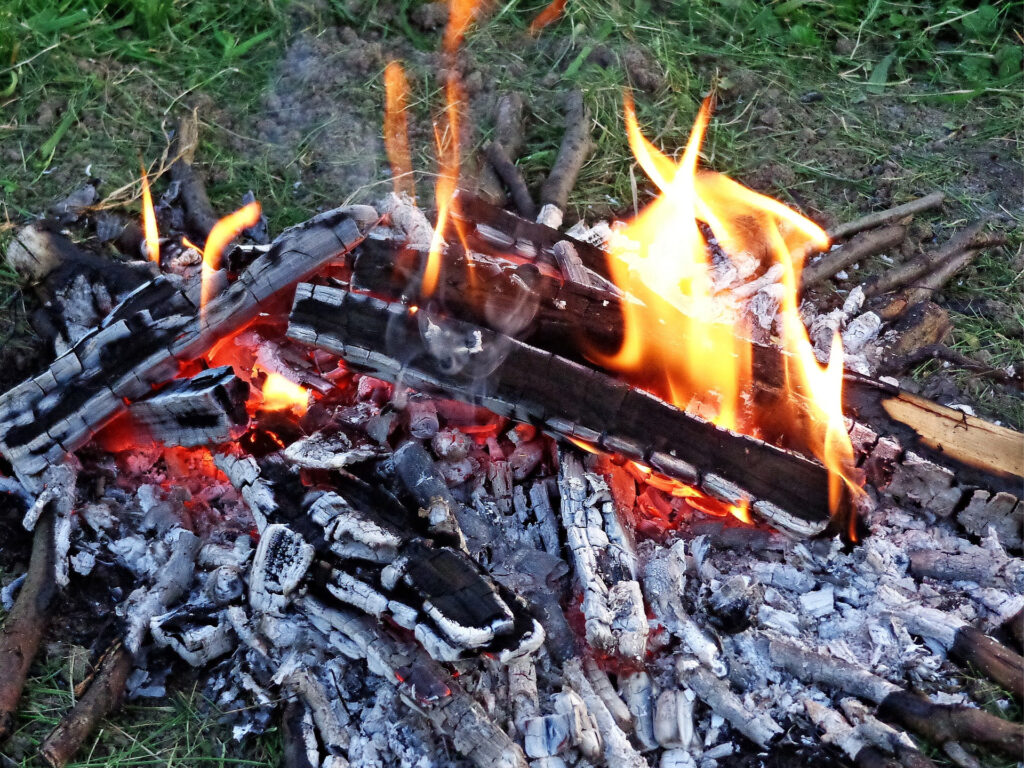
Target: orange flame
149 229
396 128
281 394
548 15
683 339
460 13
223 232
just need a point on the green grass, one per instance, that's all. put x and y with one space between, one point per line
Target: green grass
912 97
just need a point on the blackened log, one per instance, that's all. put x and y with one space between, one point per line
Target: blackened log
522 382
23 629
101 698
145 339
205 409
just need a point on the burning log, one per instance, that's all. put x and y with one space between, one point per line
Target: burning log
880 218
938 723
143 341
205 409
861 247
520 381
576 146
23 629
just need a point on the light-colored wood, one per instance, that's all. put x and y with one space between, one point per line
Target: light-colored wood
967 439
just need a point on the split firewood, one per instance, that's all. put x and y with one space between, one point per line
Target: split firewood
566 398
861 247
938 723
576 146
23 628
102 697
143 341
880 218
199 214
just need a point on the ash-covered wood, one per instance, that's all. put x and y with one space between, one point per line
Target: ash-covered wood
206 409
517 380
143 341
861 247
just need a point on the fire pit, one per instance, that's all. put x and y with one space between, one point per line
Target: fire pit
483 490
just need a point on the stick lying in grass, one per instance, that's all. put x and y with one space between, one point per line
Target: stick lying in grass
576 146
23 630
509 173
199 214
877 219
861 247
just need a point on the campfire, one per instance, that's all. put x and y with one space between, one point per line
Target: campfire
479 488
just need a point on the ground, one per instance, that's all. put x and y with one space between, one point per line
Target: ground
836 108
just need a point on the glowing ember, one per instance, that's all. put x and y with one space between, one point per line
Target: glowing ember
396 128
550 14
149 221
683 341
281 394
223 232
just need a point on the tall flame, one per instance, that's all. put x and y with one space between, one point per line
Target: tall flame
282 394
684 340
396 128
223 232
149 229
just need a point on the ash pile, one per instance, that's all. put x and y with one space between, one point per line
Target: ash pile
397 563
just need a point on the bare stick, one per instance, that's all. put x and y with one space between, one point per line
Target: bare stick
914 268
199 214
877 219
942 352
576 146
928 286
508 134
974 648
102 697
861 247
23 630
509 173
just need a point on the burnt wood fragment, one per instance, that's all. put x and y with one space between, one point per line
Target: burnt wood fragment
205 409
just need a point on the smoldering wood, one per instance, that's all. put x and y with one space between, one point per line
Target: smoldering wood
298 737
575 148
618 750
199 214
24 626
102 697
603 687
146 337
510 175
879 218
923 325
978 564
883 736
427 687
206 409
861 247
525 383
1015 628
